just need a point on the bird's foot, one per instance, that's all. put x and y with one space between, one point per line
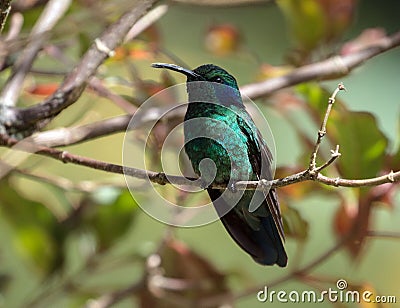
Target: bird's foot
232 187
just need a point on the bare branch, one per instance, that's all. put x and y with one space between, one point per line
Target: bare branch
78 134
162 179
337 65
391 177
75 82
53 11
334 155
72 135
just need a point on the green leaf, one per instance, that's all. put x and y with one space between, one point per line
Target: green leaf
362 144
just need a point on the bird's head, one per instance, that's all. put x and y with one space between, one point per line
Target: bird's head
209 73
214 73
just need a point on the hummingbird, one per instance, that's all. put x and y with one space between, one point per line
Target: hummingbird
225 146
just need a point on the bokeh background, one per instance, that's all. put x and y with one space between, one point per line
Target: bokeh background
66 247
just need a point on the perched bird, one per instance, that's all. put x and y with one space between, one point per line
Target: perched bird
218 128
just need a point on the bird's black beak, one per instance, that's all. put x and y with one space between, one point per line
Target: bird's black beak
177 68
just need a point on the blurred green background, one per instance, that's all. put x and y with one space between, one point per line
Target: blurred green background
105 248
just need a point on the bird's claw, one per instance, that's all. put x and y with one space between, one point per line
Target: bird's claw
232 188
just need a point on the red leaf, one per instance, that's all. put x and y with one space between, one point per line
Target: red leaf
45 89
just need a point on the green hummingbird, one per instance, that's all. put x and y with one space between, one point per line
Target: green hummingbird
225 146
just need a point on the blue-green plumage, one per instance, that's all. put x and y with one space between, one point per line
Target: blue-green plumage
217 127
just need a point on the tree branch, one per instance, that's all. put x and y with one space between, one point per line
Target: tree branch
76 134
337 65
76 81
52 13
162 179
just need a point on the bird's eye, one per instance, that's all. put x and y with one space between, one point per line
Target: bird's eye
217 79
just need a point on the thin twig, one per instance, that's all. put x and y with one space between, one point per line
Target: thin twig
334 155
322 130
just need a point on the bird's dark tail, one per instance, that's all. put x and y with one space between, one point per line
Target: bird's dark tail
271 241
264 245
